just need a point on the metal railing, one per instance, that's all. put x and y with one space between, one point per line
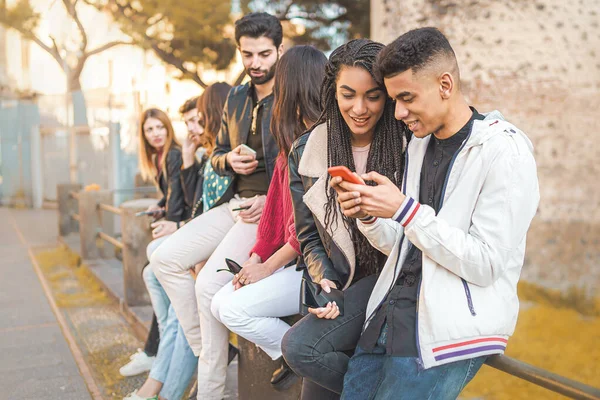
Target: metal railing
543 378
511 366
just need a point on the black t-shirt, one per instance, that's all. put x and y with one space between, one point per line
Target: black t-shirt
398 312
256 183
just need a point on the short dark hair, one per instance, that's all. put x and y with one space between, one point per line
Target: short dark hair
259 24
189 105
414 50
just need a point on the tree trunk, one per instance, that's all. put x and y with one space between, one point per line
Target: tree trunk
78 101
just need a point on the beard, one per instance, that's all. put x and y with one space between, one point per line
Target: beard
267 74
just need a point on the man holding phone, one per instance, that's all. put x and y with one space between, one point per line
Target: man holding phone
454 235
245 150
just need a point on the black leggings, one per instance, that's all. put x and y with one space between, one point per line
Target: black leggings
319 349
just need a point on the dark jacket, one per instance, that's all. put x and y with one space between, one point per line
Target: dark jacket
308 177
170 186
235 126
192 181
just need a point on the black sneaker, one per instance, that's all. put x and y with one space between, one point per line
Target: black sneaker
283 378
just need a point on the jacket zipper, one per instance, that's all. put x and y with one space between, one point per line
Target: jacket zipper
469 298
465 284
399 250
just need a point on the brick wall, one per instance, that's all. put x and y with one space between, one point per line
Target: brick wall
538 62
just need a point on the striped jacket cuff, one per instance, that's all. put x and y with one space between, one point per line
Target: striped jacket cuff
407 211
368 220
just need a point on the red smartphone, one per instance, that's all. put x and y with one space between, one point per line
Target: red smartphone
345 173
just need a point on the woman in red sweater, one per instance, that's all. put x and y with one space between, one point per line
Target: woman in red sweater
268 287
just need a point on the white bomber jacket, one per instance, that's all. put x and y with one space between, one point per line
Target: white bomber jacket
473 250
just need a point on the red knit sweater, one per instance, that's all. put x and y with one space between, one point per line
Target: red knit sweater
276 226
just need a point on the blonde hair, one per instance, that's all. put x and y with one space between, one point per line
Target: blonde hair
147 153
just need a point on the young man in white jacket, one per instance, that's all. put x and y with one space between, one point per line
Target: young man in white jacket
455 235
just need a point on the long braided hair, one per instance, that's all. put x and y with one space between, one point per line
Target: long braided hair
386 155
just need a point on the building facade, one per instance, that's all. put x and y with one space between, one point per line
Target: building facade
537 62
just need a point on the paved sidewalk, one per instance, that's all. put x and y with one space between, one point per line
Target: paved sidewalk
36 362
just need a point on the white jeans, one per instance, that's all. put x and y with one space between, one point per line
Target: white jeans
253 311
213 236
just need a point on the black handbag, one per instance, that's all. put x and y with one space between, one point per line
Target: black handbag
312 295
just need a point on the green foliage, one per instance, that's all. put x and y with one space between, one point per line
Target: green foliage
187 30
22 17
327 24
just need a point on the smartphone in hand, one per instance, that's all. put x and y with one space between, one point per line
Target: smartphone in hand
313 296
247 151
345 173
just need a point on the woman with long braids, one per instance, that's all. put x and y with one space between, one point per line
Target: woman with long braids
357 129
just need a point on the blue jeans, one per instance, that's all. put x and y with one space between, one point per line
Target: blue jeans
175 362
379 376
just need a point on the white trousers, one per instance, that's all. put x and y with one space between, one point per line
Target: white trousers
213 236
253 311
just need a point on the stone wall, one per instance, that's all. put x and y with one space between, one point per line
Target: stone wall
538 62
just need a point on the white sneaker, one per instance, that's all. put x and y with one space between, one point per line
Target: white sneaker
140 362
134 396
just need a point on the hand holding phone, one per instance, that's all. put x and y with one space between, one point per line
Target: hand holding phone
349 201
139 214
242 163
345 174
313 296
247 151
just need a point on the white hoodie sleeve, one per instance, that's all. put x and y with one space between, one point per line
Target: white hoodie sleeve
503 212
381 233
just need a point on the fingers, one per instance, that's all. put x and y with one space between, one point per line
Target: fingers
377 178
335 311
355 212
252 220
352 187
331 311
350 204
252 213
244 168
346 196
326 285
359 178
241 279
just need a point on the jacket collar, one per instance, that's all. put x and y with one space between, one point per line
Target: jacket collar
313 164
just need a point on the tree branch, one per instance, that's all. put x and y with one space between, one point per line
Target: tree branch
73 13
283 15
316 18
106 47
170 58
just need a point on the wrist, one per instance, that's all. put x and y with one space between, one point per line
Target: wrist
270 266
188 161
406 211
